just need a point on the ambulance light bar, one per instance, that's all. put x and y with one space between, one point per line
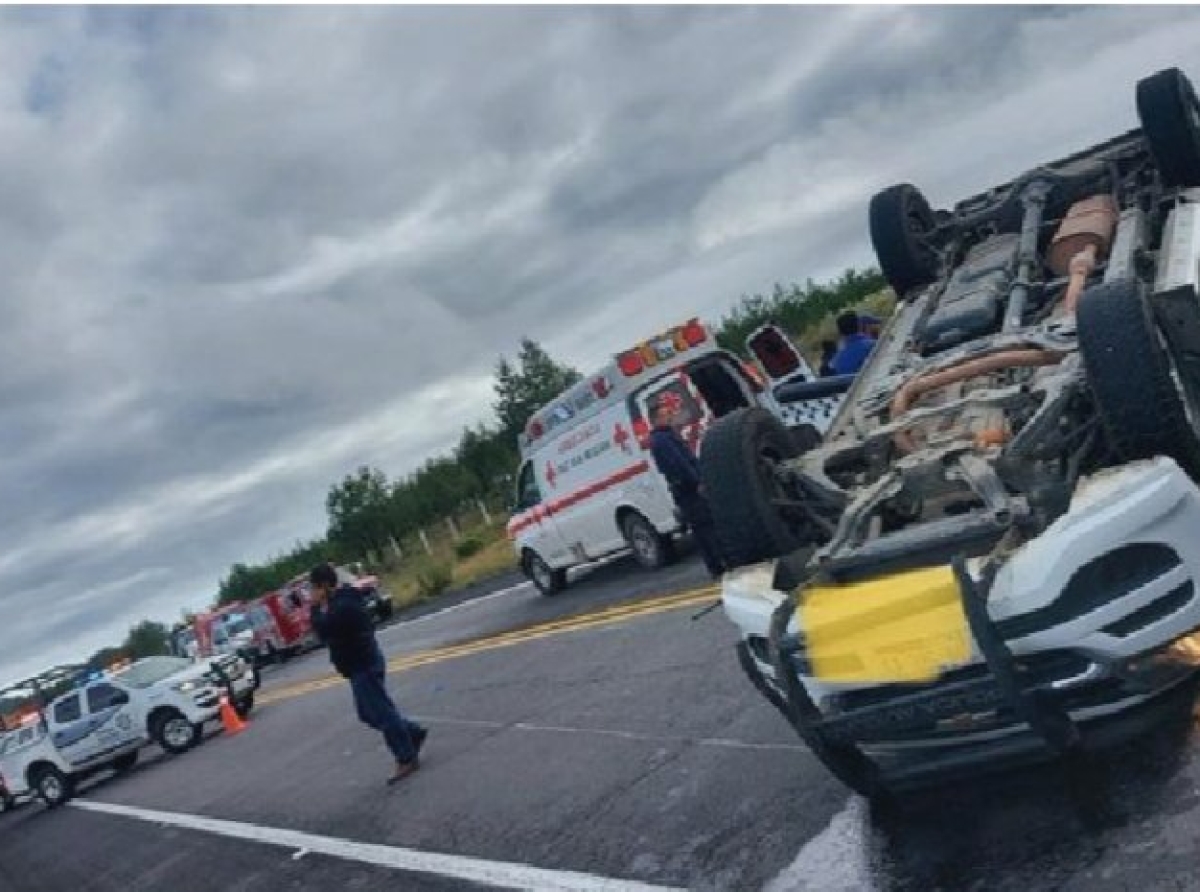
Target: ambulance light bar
660 349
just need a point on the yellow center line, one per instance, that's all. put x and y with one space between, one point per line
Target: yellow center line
611 615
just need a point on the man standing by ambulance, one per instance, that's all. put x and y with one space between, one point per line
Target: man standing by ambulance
676 462
340 619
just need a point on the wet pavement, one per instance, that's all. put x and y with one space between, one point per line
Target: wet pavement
604 754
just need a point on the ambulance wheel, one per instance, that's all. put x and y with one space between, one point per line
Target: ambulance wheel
244 706
52 786
650 548
548 581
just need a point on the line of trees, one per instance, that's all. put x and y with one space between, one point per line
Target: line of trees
367 512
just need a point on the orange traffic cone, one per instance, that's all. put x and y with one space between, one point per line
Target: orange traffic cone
230 720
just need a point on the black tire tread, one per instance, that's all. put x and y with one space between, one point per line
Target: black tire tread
902 263
1128 370
748 528
1162 103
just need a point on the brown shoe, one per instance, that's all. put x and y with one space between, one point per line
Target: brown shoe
403 770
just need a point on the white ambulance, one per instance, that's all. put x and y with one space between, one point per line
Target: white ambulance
587 485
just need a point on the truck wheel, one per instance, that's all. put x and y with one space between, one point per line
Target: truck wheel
900 222
7 802
648 545
52 786
244 705
547 580
738 465
1170 116
174 733
1146 405
125 762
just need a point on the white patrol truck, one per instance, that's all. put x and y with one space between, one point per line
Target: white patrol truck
104 722
587 486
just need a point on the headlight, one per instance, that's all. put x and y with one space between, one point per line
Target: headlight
186 687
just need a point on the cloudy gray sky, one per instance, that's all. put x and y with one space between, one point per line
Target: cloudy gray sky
244 250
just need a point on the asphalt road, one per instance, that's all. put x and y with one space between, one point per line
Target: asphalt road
600 739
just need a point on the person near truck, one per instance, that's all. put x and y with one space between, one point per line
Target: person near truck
854 346
340 620
678 464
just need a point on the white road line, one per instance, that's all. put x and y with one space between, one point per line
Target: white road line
473 602
721 742
835 860
497 874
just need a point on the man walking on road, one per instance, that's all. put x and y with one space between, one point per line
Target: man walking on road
340 620
676 462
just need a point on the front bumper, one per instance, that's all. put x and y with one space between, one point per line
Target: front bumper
1085 627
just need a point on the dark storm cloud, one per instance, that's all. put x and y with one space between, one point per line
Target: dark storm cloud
243 250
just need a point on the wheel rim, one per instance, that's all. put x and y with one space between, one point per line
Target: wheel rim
177 732
643 543
777 493
52 788
541 572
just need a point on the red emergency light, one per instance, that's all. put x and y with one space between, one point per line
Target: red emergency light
631 363
693 333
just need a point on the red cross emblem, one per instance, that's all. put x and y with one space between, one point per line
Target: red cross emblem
621 438
551 476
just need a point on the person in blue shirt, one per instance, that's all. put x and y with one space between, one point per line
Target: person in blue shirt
340 620
678 464
855 346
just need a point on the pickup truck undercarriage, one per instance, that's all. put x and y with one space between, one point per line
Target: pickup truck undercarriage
1043 361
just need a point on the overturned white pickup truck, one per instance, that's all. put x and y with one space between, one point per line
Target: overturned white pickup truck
992 555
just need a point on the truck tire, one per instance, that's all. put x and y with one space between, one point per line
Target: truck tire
1170 115
737 465
650 548
547 580
125 762
900 222
51 786
172 731
244 705
1146 406
7 802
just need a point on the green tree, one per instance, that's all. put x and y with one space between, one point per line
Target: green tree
488 455
525 387
147 639
359 510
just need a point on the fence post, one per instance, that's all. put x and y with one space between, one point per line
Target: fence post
454 533
425 540
487 517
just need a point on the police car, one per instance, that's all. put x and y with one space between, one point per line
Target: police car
104 722
587 486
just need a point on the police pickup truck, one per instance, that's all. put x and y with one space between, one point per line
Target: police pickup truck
105 722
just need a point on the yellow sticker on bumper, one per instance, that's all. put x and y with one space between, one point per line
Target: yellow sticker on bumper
904 628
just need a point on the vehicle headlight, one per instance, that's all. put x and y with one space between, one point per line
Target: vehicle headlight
186 687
